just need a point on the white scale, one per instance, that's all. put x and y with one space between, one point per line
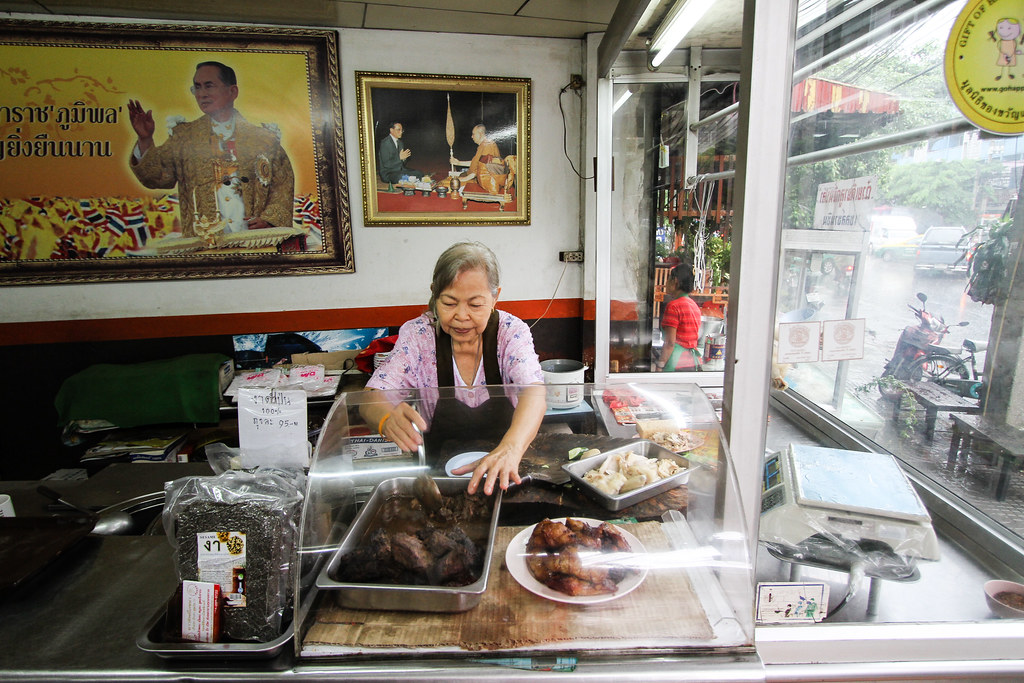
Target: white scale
821 503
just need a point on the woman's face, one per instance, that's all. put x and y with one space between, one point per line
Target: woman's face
465 306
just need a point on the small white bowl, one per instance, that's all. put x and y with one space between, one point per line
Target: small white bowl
994 588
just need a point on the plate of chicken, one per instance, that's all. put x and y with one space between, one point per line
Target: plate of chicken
577 560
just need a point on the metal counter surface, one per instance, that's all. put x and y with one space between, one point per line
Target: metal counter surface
79 620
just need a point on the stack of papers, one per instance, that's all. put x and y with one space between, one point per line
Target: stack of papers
138 445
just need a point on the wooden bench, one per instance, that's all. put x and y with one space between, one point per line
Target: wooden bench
933 398
1008 443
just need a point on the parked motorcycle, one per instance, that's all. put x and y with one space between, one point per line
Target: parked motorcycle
919 357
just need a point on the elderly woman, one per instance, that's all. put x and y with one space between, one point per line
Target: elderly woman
463 341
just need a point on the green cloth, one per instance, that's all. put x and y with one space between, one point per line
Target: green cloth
183 389
677 352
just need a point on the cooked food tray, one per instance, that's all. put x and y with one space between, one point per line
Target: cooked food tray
416 598
642 447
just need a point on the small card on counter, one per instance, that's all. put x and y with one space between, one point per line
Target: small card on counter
779 603
200 611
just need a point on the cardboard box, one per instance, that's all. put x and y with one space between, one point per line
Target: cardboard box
331 360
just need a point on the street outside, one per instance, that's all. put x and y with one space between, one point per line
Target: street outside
885 289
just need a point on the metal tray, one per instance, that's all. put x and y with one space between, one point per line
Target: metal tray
647 449
383 596
152 640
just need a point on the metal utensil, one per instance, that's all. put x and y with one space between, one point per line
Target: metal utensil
108 522
426 491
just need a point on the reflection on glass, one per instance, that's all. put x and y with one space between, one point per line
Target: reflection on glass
916 213
662 218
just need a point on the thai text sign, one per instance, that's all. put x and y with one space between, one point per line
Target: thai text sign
845 204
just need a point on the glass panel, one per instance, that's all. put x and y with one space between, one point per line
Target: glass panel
659 223
898 268
373 575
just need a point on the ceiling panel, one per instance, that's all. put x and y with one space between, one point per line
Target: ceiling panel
541 18
590 11
387 17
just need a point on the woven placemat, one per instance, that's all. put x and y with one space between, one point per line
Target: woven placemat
664 607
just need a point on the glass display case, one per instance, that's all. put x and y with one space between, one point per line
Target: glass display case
626 536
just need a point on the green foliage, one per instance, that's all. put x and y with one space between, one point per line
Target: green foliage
909 415
949 188
718 254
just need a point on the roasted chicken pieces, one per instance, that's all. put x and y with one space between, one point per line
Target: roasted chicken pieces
568 557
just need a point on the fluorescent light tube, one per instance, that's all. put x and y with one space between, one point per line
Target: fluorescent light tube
680 20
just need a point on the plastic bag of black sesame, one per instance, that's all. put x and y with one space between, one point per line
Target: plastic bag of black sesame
239 530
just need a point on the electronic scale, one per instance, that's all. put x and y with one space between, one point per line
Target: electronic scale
818 503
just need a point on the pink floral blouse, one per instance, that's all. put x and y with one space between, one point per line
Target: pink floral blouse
413 361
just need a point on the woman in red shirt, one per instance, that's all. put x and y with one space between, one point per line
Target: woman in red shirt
680 324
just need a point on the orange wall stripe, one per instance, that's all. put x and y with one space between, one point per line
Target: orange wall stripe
113 329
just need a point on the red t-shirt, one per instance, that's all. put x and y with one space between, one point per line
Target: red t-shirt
684 315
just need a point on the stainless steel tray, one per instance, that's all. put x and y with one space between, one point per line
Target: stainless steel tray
152 640
647 449
405 597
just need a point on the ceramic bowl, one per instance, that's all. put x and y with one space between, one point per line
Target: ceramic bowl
994 588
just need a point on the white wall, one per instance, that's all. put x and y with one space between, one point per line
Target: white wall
393 264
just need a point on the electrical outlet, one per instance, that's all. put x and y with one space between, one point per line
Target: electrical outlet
576 82
570 256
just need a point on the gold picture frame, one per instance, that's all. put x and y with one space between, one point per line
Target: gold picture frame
75 207
481 122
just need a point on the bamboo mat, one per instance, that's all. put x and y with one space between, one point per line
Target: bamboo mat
664 607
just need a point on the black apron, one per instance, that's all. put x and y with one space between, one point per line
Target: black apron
453 419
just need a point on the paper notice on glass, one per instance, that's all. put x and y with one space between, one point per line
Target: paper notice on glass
842 339
798 342
272 428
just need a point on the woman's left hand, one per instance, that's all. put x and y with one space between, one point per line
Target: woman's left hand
500 465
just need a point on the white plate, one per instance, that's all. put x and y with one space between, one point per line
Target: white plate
463 459
515 560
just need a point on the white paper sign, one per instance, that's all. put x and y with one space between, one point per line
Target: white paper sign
842 339
272 427
798 342
783 602
845 204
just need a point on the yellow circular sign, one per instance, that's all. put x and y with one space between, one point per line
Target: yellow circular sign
985 64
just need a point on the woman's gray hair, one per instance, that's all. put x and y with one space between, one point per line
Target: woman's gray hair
454 261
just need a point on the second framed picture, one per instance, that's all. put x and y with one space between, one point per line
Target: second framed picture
444 150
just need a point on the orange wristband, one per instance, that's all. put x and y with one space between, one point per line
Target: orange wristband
380 425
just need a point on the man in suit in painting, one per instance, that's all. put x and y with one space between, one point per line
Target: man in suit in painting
227 170
392 155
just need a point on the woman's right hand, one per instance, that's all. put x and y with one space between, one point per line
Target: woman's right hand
404 427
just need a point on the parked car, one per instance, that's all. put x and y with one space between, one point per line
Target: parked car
899 250
886 229
942 249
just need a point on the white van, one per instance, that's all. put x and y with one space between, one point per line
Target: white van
889 229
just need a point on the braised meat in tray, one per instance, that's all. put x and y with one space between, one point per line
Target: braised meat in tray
410 546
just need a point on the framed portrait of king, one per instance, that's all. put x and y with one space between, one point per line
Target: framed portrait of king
444 150
165 152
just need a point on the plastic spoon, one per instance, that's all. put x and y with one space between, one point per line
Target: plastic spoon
108 522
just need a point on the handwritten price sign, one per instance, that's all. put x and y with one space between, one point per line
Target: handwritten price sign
272 427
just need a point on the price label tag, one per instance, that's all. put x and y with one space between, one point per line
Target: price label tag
272 427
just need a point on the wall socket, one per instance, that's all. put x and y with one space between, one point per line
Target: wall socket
570 256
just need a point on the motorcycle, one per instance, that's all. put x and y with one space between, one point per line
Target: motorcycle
919 357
